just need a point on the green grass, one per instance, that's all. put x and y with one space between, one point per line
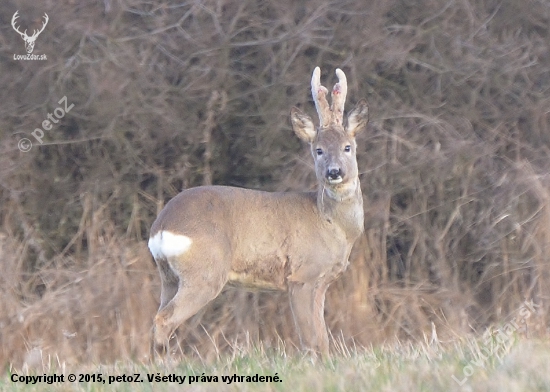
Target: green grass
521 365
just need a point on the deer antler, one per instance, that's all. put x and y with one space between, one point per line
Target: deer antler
319 94
24 34
46 19
339 93
15 16
335 113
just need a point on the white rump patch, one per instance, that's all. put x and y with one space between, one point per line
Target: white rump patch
165 244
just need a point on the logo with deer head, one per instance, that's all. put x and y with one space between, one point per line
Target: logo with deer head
29 40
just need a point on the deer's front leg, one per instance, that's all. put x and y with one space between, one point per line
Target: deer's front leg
307 301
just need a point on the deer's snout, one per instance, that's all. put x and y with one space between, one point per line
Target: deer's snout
334 175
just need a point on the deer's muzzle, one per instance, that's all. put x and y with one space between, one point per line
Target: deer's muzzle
334 176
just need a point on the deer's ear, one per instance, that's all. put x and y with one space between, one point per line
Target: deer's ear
302 125
358 118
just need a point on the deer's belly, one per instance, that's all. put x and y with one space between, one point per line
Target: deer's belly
251 281
266 272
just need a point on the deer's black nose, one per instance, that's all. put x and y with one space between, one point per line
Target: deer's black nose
334 174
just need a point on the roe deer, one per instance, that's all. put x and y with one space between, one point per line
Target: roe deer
208 236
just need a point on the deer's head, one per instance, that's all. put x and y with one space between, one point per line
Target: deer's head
29 40
333 143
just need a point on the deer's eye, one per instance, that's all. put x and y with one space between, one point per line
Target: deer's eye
319 151
347 148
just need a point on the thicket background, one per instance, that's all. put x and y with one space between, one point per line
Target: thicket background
173 94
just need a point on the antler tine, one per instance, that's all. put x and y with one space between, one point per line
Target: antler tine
13 21
15 16
319 94
46 19
37 32
339 93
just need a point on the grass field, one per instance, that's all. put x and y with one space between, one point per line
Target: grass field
519 364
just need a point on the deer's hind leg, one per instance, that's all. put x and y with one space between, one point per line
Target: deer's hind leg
190 286
169 282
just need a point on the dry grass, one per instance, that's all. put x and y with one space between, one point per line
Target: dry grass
519 366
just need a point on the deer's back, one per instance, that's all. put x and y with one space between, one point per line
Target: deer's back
264 238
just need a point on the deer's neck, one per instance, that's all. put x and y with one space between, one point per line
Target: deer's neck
344 209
